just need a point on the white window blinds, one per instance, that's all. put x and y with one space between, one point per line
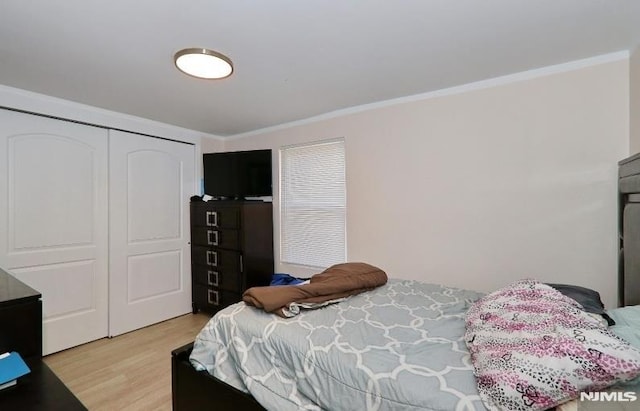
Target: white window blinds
313 204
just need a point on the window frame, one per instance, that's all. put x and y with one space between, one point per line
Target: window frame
301 261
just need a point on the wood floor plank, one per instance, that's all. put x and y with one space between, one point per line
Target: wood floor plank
128 372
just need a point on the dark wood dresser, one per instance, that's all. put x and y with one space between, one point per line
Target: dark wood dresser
629 231
231 250
21 331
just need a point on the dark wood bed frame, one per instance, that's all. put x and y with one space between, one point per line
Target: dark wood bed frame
198 390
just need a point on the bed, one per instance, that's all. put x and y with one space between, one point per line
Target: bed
404 345
412 345
393 324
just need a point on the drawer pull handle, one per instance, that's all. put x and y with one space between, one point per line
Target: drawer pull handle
212 237
213 277
212 218
213 297
212 258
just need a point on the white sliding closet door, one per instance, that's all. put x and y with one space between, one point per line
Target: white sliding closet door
53 221
150 183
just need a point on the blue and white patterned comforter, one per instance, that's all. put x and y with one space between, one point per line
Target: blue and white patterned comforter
398 347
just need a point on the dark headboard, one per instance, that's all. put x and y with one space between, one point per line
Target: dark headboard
629 231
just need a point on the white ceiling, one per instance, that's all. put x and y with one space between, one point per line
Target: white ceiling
293 59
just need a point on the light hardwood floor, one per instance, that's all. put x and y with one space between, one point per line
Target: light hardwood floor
128 372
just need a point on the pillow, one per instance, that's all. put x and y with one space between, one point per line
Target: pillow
533 348
589 299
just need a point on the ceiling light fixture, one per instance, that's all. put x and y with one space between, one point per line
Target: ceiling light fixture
203 63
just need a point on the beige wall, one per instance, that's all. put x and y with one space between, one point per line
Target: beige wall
211 144
480 188
634 87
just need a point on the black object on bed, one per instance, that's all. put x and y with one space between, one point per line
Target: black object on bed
588 298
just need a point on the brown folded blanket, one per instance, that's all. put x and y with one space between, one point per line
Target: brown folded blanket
331 285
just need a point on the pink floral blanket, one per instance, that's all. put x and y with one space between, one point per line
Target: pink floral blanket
533 348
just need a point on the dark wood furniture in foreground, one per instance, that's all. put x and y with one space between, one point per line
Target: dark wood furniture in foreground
21 331
231 250
20 317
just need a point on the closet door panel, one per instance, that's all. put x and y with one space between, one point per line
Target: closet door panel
54 221
154 177
151 181
51 165
153 275
58 302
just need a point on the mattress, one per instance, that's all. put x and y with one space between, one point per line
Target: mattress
398 347
627 327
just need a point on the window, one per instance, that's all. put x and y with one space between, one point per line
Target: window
313 204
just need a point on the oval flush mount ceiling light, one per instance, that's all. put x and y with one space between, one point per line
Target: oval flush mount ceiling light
203 63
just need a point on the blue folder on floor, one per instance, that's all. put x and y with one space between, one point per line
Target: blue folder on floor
12 366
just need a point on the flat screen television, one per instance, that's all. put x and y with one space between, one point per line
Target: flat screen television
237 174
